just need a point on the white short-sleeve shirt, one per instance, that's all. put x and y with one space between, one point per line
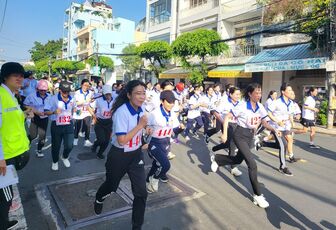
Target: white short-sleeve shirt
193 113
67 108
307 113
247 117
162 123
225 106
208 100
37 102
268 102
126 118
103 108
86 99
282 110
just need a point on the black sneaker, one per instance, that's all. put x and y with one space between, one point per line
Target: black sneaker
206 139
94 148
98 207
100 156
12 224
293 159
285 171
312 146
164 179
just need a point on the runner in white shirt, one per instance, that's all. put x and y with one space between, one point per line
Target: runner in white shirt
249 115
160 121
207 99
103 121
308 116
272 96
60 109
125 155
194 113
230 104
39 123
83 114
153 98
178 109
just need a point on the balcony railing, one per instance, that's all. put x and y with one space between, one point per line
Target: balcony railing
242 50
191 10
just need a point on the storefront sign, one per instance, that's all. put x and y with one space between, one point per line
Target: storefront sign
299 64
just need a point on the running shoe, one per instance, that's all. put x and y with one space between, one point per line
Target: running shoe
171 156
39 153
176 141
98 207
312 146
100 156
164 179
293 159
285 171
87 143
149 187
214 166
236 172
187 138
195 134
75 142
154 183
66 162
260 201
206 139
12 224
81 134
54 166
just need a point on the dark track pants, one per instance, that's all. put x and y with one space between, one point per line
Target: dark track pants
213 131
103 130
85 124
117 165
190 122
38 127
243 138
61 133
6 197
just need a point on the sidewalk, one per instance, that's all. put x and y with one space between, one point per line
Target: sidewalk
319 129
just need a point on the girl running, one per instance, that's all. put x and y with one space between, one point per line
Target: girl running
249 115
161 122
103 121
209 100
125 155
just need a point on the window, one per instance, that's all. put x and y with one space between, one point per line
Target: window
112 45
160 12
196 3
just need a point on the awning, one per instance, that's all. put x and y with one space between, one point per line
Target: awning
177 72
297 57
231 71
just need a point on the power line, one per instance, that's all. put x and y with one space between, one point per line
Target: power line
3 16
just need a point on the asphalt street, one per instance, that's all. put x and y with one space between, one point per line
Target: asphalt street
305 201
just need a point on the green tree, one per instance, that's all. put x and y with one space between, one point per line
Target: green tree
157 53
49 50
197 43
131 63
30 68
103 62
66 67
42 66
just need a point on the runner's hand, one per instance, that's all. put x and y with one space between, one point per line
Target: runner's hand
224 138
2 167
143 121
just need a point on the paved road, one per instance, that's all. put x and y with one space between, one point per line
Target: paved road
305 201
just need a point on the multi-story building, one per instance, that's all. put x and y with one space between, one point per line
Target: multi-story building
90 28
252 58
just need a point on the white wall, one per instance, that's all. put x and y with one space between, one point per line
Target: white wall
271 81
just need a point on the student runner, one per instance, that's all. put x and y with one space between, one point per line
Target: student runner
249 115
125 155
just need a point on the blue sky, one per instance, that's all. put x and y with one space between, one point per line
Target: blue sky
27 21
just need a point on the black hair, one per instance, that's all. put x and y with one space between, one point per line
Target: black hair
85 81
148 82
271 93
217 84
209 87
122 97
284 86
232 90
228 86
311 89
249 89
166 83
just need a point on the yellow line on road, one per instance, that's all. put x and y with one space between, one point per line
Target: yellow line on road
277 154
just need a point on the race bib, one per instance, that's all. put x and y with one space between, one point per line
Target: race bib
254 121
64 118
134 143
107 114
165 132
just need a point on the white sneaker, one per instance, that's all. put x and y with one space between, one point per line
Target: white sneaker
260 201
149 187
154 183
81 134
87 143
75 142
187 138
39 153
236 172
214 166
66 162
171 156
54 166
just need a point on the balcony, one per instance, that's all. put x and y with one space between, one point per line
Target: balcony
284 40
242 50
235 11
200 11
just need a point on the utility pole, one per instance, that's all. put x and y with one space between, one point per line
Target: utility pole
331 75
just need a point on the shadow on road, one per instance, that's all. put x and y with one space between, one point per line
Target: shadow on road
323 152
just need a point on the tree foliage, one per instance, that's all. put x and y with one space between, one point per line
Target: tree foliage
131 63
103 62
197 43
29 68
156 52
42 66
67 66
43 51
